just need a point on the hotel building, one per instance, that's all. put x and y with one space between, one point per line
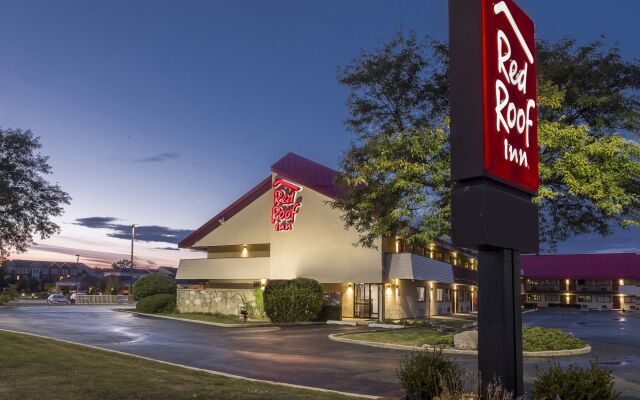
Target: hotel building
588 281
284 227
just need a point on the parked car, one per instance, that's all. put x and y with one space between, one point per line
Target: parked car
74 295
57 298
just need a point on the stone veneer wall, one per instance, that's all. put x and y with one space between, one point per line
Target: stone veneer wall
224 301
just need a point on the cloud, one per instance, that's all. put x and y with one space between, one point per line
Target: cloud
620 241
144 233
167 248
157 158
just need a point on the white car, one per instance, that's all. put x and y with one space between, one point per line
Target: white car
75 295
57 298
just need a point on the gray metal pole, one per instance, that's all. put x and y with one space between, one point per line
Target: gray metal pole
500 319
77 261
133 235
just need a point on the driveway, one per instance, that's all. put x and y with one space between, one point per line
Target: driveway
304 355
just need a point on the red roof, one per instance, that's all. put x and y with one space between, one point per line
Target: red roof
293 167
307 173
581 266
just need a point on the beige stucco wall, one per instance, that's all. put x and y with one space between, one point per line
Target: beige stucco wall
251 225
319 247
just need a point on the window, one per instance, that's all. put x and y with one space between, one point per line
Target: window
584 299
603 299
421 294
439 294
628 299
551 297
534 297
447 294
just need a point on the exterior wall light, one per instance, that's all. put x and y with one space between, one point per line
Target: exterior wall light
388 290
263 283
245 251
349 289
621 282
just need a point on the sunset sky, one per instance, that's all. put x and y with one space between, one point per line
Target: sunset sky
161 113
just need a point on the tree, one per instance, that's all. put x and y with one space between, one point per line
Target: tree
27 200
112 285
397 170
121 265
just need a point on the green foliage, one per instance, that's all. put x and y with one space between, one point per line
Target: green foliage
397 170
327 312
537 338
157 303
111 285
7 294
254 308
27 200
151 284
294 300
593 383
121 265
429 374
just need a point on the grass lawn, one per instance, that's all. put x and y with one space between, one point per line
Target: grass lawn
534 338
219 318
407 336
537 338
34 368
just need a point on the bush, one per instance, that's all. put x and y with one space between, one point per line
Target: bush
296 300
328 312
575 383
7 295
157 303
429 374
149 285
530 305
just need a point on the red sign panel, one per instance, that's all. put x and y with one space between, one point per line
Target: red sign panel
510 106
286 205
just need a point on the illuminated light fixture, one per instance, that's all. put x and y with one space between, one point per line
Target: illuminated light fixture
350 289
388 290
621 282
397 292
397 245
263 283
245 251
397 281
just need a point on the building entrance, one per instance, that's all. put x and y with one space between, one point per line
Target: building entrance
366 300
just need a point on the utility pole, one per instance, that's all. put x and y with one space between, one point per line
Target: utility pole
133 236
77 262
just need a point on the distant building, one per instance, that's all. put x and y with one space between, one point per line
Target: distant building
43 270
590 281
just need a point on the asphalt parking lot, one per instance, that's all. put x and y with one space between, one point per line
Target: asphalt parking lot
304 355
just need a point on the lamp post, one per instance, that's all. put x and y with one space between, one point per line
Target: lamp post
133 236
77 262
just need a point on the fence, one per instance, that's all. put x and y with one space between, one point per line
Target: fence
102 299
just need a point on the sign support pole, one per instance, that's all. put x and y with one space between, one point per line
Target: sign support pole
500 319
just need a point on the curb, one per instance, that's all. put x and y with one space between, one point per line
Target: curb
221 324
208 371
337 337
195 321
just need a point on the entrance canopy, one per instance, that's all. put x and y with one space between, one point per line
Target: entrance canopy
415 267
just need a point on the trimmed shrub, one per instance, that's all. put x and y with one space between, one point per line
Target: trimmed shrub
296 300
537 338
562 305
594 382
157 303
151 284
429 375
328 312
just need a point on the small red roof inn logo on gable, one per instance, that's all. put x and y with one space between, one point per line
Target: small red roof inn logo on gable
510 107
286 204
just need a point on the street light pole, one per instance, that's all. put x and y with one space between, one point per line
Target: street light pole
77 261
133 236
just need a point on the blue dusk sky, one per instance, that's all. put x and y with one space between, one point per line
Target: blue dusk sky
161 113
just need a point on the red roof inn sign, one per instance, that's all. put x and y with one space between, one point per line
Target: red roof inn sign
286 204
509 80
494 125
